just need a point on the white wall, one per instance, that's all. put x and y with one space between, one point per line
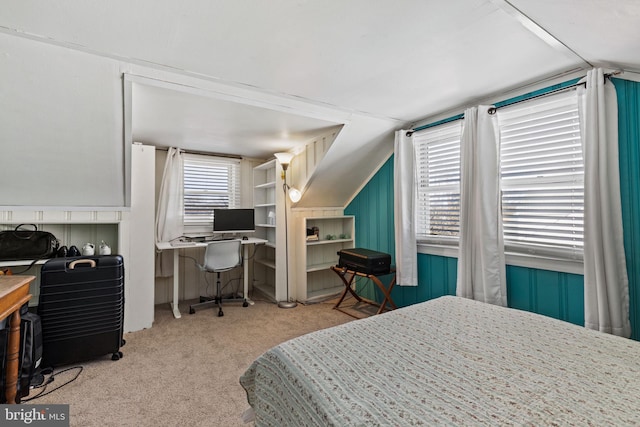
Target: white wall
61 130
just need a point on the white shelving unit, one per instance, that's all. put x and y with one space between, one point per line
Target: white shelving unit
314 279
268 197
70 228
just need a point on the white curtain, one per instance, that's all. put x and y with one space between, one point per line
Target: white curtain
481 264
170 212
606 286
404 210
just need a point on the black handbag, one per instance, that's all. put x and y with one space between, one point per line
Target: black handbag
19 244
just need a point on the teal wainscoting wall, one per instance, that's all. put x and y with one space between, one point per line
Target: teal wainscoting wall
555 294
373 209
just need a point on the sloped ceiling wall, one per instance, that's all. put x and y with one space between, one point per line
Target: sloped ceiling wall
373 66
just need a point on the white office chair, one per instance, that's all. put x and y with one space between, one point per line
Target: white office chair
221 255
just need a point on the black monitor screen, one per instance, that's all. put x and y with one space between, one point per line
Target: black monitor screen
233 220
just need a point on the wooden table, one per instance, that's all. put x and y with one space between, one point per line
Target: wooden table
14 293
347 277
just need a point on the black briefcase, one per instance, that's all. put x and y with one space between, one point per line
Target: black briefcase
365 261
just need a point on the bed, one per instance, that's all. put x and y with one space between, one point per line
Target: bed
448 361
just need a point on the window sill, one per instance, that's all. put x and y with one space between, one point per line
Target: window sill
514 259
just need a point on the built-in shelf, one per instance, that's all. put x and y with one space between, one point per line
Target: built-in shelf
324 293
315 280
270 184
266 289
266 262
320 267
327 242
268 203
21 262
71 228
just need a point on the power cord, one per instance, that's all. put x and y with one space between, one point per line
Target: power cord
52 376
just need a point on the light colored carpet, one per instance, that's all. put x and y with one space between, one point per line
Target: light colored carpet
183 372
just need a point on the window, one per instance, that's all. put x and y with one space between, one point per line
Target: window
542 178
438 173
209 183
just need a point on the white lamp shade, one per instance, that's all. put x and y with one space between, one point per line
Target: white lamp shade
284 158
295 195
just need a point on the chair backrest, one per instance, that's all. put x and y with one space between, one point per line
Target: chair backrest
222 255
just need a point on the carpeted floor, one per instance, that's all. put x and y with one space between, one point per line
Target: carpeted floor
182 372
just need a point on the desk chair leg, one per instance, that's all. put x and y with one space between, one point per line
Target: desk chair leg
206 302
219 296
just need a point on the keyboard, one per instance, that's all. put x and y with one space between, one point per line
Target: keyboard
179 243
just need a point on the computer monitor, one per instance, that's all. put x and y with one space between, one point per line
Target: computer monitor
233 221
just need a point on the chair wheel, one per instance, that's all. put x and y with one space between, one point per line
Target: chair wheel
220 313
191 310
245 304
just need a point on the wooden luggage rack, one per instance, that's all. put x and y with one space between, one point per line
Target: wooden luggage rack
347 276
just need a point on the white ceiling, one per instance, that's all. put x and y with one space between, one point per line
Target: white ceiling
167 117
297 67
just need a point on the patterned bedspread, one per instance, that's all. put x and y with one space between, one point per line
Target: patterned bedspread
449 361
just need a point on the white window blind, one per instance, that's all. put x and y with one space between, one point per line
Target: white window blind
543 176
438 174
209 183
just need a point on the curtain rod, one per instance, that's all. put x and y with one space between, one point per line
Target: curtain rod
514 101
202 153
493 110
552 92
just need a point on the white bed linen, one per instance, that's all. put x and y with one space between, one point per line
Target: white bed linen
449 361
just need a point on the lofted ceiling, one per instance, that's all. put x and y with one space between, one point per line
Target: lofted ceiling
271 75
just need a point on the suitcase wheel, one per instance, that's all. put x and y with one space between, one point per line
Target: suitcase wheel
117 356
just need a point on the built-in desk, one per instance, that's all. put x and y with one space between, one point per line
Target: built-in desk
14 293
164 246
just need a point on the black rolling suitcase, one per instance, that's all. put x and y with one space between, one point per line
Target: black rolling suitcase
81 308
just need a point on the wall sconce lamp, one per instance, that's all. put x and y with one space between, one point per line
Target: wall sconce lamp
294 195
